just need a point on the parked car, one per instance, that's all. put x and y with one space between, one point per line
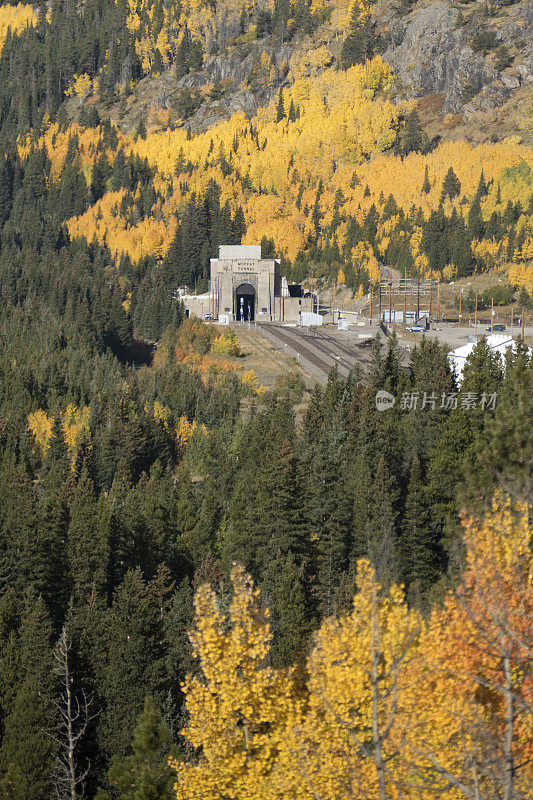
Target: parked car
496 328
417 328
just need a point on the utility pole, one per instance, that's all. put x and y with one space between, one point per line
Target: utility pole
438 301
333 302
461 304
523 314
371 304
430 300
405 296
380 302
418 294
476 314
512 321
390 302
492 314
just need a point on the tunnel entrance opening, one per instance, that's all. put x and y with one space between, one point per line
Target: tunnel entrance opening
245 303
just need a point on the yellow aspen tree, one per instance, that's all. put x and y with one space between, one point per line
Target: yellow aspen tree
75 425
40 425
473 698
347 744
237 704
184 431
15 18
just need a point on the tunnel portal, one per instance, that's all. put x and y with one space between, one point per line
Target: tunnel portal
245 302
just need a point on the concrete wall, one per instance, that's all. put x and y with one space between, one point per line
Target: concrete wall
237 251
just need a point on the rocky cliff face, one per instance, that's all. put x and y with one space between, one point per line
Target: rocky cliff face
438 49
474 62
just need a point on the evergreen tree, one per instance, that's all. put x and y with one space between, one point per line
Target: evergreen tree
133 662
426 186
412 137
100 174
56 465
285 590
476 226
451 186
280 108
360 41
282 13
329 513
418 552
382 541
26 752
145 775
292 111
87 541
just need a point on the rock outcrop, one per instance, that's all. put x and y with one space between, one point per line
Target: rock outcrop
431 51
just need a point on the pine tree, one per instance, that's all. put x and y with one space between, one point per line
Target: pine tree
6 188
238 226
201 539
426 186
419 557
329 513
451 186
145 775
482 189
476 226
382 535
100 174
292 111
280 108
360 41
286 593
26 752
282 12
56 466
88 541
412 138
134 659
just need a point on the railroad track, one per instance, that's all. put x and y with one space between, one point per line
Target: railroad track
317 350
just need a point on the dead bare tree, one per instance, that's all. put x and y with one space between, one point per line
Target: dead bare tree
74 717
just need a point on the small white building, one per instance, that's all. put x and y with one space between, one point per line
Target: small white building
497 342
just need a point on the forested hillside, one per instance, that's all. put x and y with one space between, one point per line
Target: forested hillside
150 487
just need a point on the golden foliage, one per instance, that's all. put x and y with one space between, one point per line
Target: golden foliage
473 695
359 682
342 118
185 429
521 275
227 344
249 381
75 426
40 425
81 85
237 704
15 18
392 708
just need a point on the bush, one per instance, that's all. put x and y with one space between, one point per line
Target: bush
227 344
484 42
504 60
468 92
